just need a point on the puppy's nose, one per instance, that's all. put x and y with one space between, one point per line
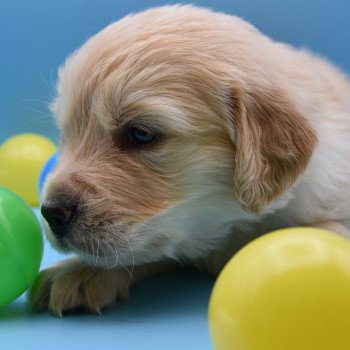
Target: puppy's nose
59 216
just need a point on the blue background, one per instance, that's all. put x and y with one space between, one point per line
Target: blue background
166 312
36 36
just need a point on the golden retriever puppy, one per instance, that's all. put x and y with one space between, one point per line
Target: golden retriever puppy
186 133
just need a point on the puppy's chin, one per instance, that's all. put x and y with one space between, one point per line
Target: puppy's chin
62 245
59 245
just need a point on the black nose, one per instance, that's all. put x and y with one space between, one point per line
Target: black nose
59 216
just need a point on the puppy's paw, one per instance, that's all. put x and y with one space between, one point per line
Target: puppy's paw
73 285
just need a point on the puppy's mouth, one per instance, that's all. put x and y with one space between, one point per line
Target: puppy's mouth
70 230
106 246
77 238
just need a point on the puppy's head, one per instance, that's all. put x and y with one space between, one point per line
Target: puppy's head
168 138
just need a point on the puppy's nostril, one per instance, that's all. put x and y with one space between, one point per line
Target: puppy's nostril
58 216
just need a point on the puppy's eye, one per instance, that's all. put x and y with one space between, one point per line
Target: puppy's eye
141 136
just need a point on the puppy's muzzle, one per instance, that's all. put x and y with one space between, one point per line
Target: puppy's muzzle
59 214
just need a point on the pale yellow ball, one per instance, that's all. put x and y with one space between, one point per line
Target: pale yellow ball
22 159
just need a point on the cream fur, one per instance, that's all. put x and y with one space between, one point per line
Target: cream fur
256 136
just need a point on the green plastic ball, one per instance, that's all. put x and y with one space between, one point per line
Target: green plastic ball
21 246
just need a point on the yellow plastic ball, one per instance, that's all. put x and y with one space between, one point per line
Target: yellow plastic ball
22 159
288 290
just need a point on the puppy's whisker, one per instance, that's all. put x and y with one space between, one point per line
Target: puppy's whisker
133 261
86 249
115 250
94 257
36 100
42 115
49 84
120 263
98 250
43 118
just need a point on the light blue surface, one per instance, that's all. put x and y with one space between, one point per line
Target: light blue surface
165 312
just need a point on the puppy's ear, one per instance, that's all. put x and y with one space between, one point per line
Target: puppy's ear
273 144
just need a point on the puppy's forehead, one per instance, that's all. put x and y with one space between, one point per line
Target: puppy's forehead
147 64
